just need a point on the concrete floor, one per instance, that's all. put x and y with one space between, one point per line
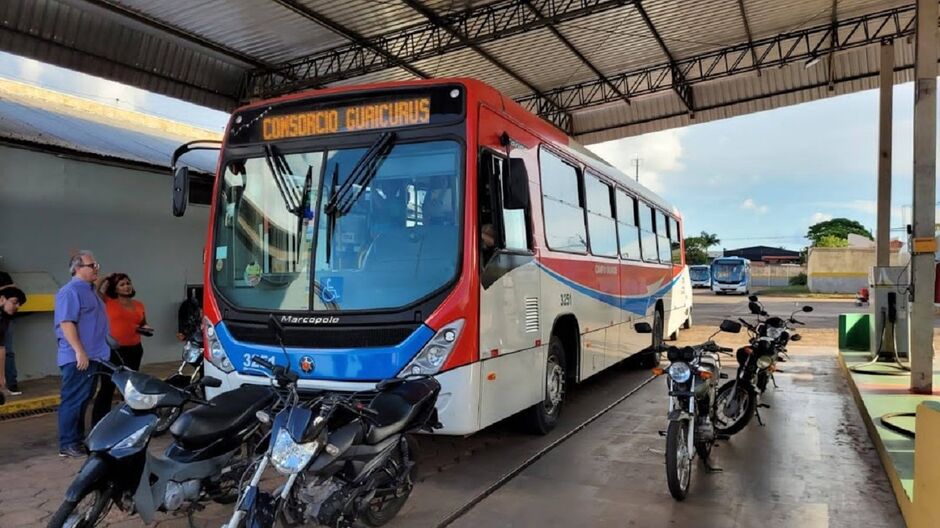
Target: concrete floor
811 467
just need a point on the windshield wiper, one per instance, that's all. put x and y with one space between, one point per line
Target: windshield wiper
280 169
346 196
304 213
343 199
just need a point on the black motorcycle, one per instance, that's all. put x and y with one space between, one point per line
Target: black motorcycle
345 462
692 378
212 446
739 400
191 362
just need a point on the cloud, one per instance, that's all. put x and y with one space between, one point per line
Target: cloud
820 217
660 155
751 205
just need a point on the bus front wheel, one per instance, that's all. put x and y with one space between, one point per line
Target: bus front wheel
543 416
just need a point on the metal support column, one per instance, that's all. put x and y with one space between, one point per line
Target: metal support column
925 187
883 234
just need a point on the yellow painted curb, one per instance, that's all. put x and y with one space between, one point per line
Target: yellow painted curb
30 404
900 495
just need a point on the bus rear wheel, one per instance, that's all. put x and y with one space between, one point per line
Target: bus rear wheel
542 417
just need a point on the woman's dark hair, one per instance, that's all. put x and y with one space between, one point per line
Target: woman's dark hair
113 280
11 292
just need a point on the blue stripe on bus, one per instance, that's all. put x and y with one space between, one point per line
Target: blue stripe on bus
337 364
634 304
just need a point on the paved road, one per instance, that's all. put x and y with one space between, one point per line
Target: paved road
811 467
709 309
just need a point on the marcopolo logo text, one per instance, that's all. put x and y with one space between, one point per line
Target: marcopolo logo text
291 319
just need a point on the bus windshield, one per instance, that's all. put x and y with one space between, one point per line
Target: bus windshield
394 242
698 273
728 270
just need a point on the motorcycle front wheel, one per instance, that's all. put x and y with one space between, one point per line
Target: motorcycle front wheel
734 407
678 459
89 510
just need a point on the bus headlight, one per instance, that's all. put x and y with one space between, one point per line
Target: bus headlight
217 355
680 372
434 354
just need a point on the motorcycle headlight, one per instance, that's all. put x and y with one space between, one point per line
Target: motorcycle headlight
191 353
136 440
774 333
138 400
680 372
217 355
288 456
432 357
764 362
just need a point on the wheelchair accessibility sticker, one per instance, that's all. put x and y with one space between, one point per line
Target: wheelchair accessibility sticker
331 290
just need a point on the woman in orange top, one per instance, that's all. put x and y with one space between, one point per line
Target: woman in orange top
128 321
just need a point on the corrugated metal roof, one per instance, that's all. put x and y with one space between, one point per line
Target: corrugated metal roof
270 32
50 119
202 51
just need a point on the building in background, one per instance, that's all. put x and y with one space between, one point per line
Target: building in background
77 174
765 254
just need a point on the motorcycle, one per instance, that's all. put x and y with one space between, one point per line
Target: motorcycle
740 400
345 462
191 360
692 379
212 446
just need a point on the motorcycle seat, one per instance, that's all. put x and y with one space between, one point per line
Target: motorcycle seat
398 407
229 413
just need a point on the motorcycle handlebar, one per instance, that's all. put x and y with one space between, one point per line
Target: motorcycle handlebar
725 349
746 324
798 322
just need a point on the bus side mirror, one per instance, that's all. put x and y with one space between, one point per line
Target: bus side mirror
516 186
180 190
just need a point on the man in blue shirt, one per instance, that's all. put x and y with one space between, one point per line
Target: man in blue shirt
81 326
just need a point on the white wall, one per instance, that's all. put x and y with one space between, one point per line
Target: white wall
51 206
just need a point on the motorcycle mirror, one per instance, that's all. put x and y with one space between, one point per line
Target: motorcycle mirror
643 328
209 381
752 298
732 327
754 308
807 309
796 337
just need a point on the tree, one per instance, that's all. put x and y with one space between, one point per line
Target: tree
695 251
832 241
709 240
837 227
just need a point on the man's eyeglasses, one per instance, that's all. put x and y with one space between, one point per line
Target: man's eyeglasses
93 265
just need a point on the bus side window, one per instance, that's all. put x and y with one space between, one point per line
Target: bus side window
676 241
500 228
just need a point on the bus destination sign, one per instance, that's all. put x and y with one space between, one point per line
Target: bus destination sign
352 118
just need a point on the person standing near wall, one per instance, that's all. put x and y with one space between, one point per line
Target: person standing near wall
81 326
9 368
127 321
11 298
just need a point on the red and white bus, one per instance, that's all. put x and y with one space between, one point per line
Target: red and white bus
431 227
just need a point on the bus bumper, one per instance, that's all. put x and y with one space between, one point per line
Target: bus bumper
458 405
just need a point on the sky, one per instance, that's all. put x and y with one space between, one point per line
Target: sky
760 179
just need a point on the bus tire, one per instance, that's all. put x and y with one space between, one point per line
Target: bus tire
542 417
654 357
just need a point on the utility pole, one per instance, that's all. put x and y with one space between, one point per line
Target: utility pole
636 166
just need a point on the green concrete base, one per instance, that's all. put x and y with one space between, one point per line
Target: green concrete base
855 332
